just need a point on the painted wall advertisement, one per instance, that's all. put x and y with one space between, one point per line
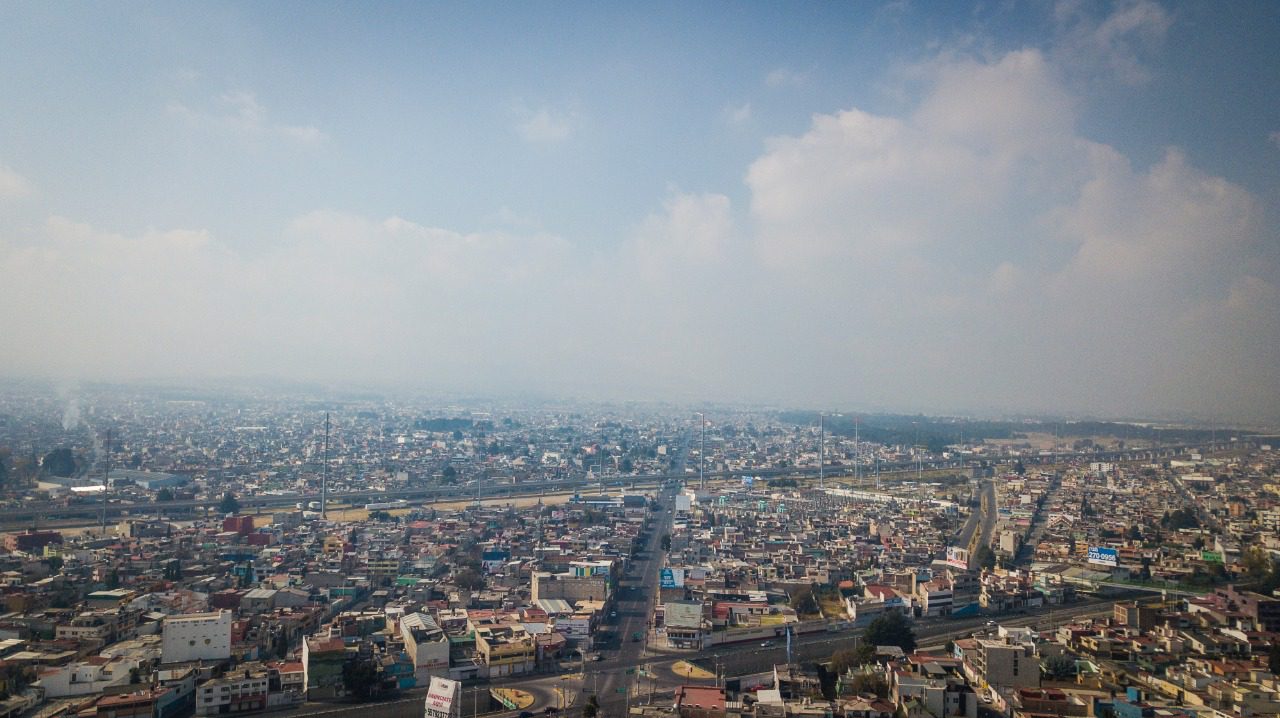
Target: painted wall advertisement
957 557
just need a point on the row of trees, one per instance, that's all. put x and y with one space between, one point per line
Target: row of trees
889 629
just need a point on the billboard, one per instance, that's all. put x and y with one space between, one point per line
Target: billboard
1211 557
667 579
957 557
440 698
1103 556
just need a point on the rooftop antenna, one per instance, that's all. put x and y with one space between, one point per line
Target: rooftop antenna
324 477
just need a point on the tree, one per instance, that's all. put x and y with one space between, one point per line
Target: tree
163 495
985 557
592 708
873 683
1273 659
59 462
1019 468
1059 668
803 601
891 629
229 504
845 659
666 542
469 579
450 474
360 678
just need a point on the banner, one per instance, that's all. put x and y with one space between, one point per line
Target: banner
1103 556
957 557
1211 557
440 696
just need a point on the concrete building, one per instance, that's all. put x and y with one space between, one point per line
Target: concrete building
505 650
240 691
427 646
197 637
322 661
1007 665
570 587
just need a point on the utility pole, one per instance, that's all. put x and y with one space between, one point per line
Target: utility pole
857 453
702 453
822 448
106 484
324 478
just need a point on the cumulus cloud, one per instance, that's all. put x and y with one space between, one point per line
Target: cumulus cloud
13 185
972 252
1111 44
241 113
983 242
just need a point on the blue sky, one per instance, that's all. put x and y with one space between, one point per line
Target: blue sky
928 206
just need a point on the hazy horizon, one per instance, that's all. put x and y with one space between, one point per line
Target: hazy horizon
1046 208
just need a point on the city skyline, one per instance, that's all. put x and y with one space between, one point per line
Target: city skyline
1048 208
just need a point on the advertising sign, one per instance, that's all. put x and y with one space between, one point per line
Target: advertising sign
957 557
440 697
1103 556
667 579
1211 557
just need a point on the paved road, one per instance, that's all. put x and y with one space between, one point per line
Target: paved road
634 606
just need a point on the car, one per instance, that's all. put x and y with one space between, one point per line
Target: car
598 657
767 644
526 714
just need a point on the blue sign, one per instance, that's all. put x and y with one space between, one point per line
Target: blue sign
1103 556
667 579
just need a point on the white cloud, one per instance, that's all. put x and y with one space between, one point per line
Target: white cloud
241 113
782 77
14 186
738 114
692 230
547 126
981 242
1111 45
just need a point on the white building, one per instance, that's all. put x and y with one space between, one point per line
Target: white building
240 691
427 646
197 637
93 675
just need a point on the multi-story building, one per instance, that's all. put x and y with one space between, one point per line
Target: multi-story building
427 646
1001 664
240 691
197 637
570 587
505 649
322 662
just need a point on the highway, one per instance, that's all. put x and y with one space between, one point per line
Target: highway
18 516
